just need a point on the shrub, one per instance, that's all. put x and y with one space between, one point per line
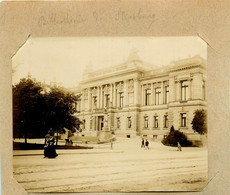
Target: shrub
174 137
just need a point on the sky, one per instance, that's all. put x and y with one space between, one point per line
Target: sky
63 60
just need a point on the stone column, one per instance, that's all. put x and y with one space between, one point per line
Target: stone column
142 95
89 99
82 100
178 91
190 89
162 93
111 95
171 89
136 92
152 99
98 97
125 93
114 95
101 97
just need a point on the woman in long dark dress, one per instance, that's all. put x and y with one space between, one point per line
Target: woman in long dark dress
50 151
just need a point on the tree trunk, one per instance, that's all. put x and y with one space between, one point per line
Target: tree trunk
57 139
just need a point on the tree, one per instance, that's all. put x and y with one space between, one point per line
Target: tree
61 107
38 108
26 102
175 136
199 122
172 129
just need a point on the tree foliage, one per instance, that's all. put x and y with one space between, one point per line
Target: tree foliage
38 108
199 122
175 136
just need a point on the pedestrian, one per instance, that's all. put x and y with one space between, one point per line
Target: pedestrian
142 143
49 148
147 144
111 144
178 146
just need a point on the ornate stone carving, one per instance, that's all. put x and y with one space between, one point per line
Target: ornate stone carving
94 91
147 86
85 94
130 86
106 89
166 83
120 86
175 79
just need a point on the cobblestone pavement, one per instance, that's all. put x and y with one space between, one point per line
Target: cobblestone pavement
126 167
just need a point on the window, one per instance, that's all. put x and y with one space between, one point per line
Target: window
184 90
157 95
118 123
107 100
83 124
129 122
146 121
166 94
154 136
121 100
203 90
156 119
94 102
147 97
166 121
183 120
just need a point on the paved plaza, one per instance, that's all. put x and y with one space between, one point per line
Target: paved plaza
127 167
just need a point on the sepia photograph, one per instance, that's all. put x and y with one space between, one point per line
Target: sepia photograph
110 114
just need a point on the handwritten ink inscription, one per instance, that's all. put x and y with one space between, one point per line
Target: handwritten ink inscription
54 19
135 16
120 16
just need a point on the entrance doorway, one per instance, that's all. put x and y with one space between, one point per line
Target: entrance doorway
100 123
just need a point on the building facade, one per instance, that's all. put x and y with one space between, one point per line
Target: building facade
137 98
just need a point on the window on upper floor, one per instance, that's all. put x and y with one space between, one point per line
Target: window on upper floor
157 95
147 97
146 122
83 124
156 121
94 102
203 90
129 122
184 90
118 122
183 119
107 100
121 99
166 94
166 121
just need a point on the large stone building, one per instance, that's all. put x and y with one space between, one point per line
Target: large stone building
137 98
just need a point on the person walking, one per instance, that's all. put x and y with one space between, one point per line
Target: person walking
147 144
142 143
178 146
